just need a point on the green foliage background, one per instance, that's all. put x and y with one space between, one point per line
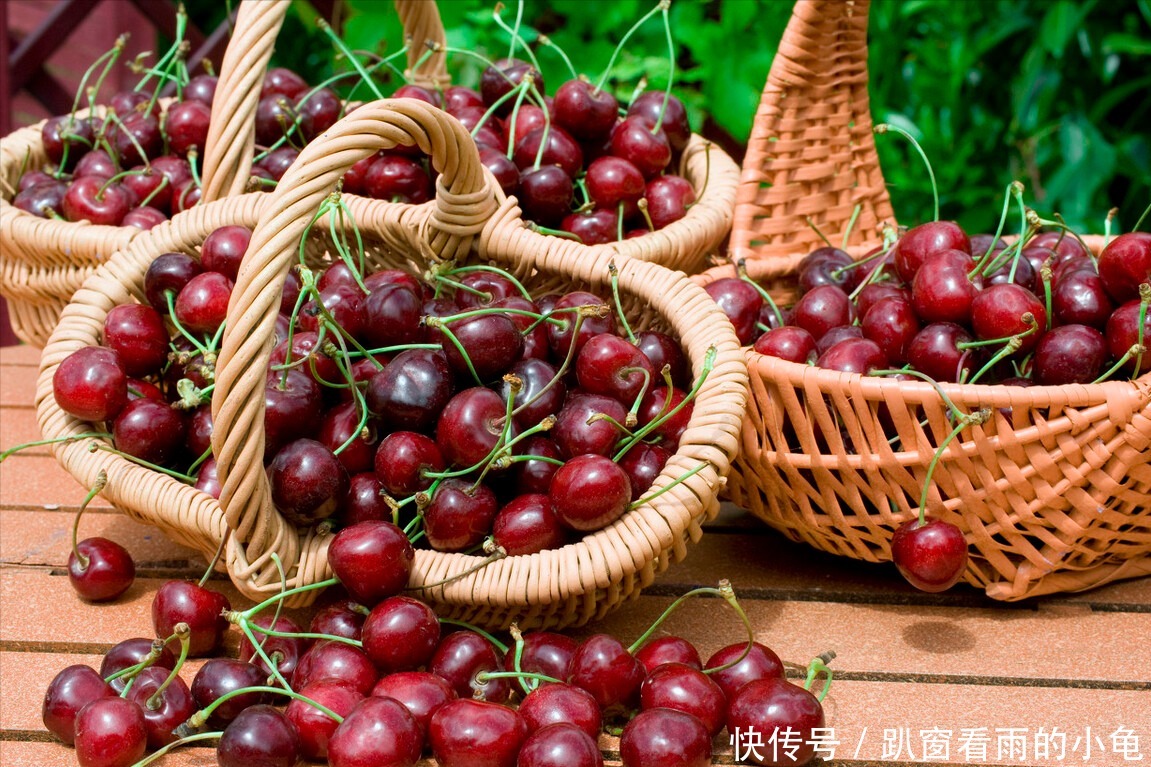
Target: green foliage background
1054 93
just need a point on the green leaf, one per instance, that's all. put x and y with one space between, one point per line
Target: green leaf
1059 25
1125 43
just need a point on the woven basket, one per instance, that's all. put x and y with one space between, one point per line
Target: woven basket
1053 493
561 587
44 261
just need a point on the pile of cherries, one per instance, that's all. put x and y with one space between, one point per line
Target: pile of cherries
1045 311
375 679
484 418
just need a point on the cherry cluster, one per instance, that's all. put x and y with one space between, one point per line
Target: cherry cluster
954 308
383 682
485 418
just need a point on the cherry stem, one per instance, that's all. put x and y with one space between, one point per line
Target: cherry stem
108 60
164 183
215 559
725 592
183 633
101 481
627 36
1142 218
246 627
290 593
1028 319
819 666
163 67
493 270
955 412
339 234
851 224
1132 351
1036 221
197 720
677 481
185 478
884 128
632 418
1008 194
485 676
811 223
493 553
151 657
503 648
741 270
1011 347
965 420
270 632
515 32
351 57
158 753
549 43
614 272
655 423
55 440
988 261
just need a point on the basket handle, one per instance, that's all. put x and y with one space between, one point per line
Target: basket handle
811 152
465 202
231 134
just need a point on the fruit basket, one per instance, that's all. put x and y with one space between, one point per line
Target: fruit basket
563 586
45 259
1052 491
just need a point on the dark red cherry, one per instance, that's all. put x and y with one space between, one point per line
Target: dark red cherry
1125 264
165 710
69 691
526 525
943 289
168 272
110 732
587 424
373 560
308 481
660 737
65 139
602 666
741 302
773 707
760 662
535 476
150 430
597 318
201 88
100 569
502 76
634 140
668 649
260 735
546 194
318 110
460 516
853 355
918 243
589 492
201 608
668 199
186 126
999 311
202 304
585 111
93 199
421 693
329 659
823 308
1123 332
595 227
219 677
283 652
461 658
476 733
401 634
132 652
935 352
43 199
314 727
891 323
342 619
932 556
558 148
224 249
1079 299
687 689
613 180
411 391
1069 354
138 335
651 105
395 178
560 745
612 366
555 703
378 731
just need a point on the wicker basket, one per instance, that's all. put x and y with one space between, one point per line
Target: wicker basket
565 586
44 261
1053 493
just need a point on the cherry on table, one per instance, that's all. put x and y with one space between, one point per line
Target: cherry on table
110 732
283 651
561 703
314 727
660 737
131 652
329 659
69 691
603 667
774 705
668 649
475 733
262 735
684 688
463 655
201 608
219 677
378 731
171 708
100 569
559 745
760 662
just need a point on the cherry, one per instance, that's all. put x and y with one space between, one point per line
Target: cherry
219 677
559 745
137 138
409 91
587 112
760 662
93 199
1069 354
589 492
772 708
277 162
201 88
131 652
663 737
1122 332
491 342
476 733
96 163
318 110
668 199
913 248
661 349
261 735
314 727
224 249
461 657
281 81
999 311
935 352
587 424
341 619
378 732
823 308
150 430
202 304
199 607
634 140
392 315
541 392
421 693
546 194
43 199
561 336
853 355
332 660
658 403
668 649
344 304
284 652
411 390
168 272
602 666
460 515
402 459
100 569
595 227
931 554
208 479
373 560
1080 299
535 476
395 178
185 195
826 266
943 289
558 148
69 691
502 76
891 323
611 366
457 97
544 652
400 634
788 342
163 711
527 525
308 481
292 403
66 135
143 218
186 126
649 105
561 703
305 354
147 183
1125 264
687 689
506 173
341 428
274 117
110 732
613 180
137 333
837 334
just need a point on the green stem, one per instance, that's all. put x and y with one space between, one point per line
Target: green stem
183 633
819 666
614 272
980 416
101 481
627 36
55 440
503 648
677 481
343 48
884 128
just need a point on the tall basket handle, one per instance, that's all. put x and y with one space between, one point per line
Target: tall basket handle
811 153
465 202
231 140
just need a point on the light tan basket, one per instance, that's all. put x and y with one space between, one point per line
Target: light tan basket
1053 493
561 587
44 261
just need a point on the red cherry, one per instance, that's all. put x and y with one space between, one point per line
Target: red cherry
932 556
70 690
100 569
110 732
662 737
373 560
91 384
779 713
476 733
199 607
400 634
378 732
589 492
560 745
760 662
260 735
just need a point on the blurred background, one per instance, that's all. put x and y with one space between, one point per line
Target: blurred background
1054 93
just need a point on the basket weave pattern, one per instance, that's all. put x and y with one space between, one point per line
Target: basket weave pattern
560 587
1053 491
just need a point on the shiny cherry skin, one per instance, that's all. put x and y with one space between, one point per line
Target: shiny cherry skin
544 652
186 126
932 556
546 194
165 712
110 732
822 308
651 105
761 662
1070 354
535 476
402 460
934 351
614 367
663 737
201 608
668 649
411 390
853 355
168 272
421 692
461 658
918 243
891 323
788 342
527 525
687 689
379 731
1125 264
221 676
224 249
128 653
476 733
741 302
541 392
93 199
395 178
587 112
69 691
561 703
401 634
1122 332
559 149
91 384
344 618
612 181
578 431
100 569
944 289
260 735
559 745
373 560
561 335
202 304
999 311
492 343
1079 299
603 667
669 198
314 727
308 481
502 76
773 705
332 660
460 516
827 266
137 333
589 492
150 430
634 140
595 227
